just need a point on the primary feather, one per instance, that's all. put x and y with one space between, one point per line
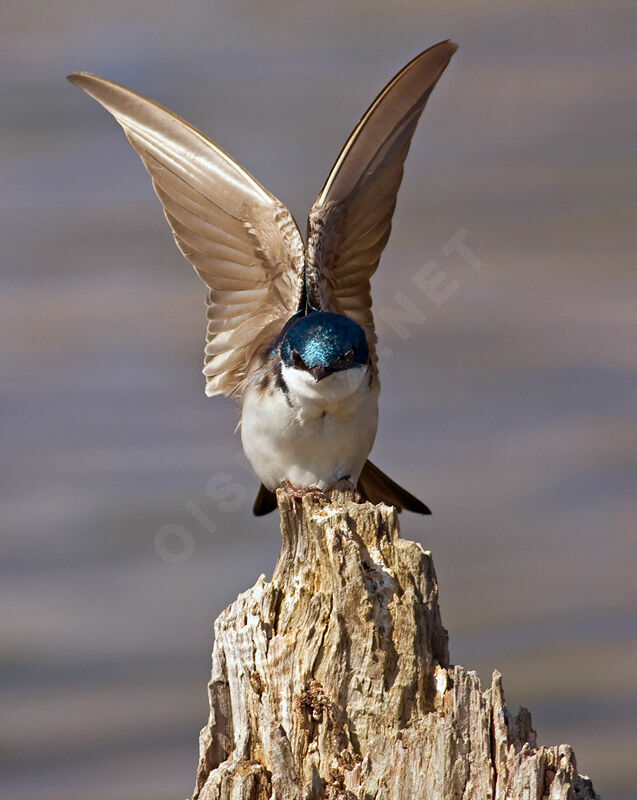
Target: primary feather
350 222
240 239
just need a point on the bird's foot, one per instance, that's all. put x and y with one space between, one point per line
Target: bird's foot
343 485
299 492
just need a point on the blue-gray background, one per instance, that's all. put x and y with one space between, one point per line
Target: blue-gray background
511 408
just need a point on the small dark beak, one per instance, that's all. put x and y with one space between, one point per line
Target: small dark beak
319 373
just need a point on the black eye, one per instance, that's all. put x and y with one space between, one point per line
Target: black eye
297 360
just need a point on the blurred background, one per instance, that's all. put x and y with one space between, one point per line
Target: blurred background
509 399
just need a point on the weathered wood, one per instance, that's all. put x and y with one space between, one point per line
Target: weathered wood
332 681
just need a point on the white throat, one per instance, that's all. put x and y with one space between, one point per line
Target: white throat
332 389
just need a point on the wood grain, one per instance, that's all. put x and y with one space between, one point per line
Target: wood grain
333 681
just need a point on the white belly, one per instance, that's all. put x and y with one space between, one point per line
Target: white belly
323 434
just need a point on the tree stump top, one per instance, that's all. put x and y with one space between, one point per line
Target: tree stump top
332 680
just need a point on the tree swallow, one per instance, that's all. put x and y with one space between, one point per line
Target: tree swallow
290 328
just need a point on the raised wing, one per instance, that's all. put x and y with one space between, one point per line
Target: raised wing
239 238
350 222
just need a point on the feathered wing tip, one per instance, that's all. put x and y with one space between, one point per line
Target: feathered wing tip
242 242
377 487
350 221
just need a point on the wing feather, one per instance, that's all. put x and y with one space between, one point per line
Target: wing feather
350 221
240 239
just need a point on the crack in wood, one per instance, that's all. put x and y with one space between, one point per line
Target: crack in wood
332 682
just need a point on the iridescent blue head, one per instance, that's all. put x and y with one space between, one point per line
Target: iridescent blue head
322 343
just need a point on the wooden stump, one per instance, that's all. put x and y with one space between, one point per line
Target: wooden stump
333 681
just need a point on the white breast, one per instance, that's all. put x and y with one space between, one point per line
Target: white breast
316 434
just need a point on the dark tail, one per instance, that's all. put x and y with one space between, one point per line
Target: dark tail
264 502
375 486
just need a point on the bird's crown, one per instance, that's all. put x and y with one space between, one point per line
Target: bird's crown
321 343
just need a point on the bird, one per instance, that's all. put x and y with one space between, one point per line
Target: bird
290 330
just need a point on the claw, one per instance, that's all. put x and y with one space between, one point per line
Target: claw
299 492
342 485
